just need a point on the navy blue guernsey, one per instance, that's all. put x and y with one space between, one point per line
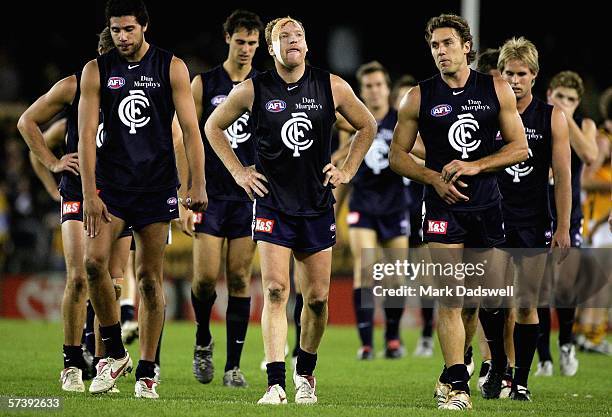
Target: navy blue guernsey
293 127
377 189
576 167
460 123
136 101
529 179
70 184
219 182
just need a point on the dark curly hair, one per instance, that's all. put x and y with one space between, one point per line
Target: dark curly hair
136 8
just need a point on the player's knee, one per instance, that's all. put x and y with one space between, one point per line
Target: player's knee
276 293
317 305
94 267
236 281
469 313
203 289
77 284
522 314
148 287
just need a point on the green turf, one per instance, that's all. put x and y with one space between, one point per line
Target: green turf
30 358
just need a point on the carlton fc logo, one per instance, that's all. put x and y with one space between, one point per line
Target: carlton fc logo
276 106
441 110
238 131
460 134
216 100
293 133
114 83
520 170
377 157
131 110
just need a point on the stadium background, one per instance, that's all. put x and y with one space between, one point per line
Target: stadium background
44 42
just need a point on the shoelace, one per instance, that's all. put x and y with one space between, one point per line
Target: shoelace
305 389
236 376
203 357
72 377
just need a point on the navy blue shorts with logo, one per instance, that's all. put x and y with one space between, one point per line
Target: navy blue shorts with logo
475 229
72 209
539 236
300 233
140 209
225 218
387 226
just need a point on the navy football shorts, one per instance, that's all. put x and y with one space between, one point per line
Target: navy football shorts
387 226
482 228
300 233
140 209
72 209
225 218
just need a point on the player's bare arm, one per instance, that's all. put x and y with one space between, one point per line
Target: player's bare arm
511 127
404 139
561 161
358 116
53 137
94 210
41 112
239 101
194 149
582 138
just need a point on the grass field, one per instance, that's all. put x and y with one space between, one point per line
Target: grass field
31 361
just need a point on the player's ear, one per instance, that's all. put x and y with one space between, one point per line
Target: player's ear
144 28
270 50
467 47
227 38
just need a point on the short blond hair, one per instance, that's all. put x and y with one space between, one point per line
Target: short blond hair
272 23
520 49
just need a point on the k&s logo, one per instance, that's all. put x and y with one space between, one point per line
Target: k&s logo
438 227
71 207
264 225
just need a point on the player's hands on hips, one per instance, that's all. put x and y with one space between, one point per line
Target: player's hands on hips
197 199
335 176
455 169
449 192
561 240
68 163
94 212
252 181
185 220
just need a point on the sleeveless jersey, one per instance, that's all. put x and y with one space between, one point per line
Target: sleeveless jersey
460 123
219 182
293 127
136 102
376 188
529 178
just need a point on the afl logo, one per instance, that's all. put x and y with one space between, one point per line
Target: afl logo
171 201
460 134
276 106
441 110
293 132
130 110
216 100
115 83
238 131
